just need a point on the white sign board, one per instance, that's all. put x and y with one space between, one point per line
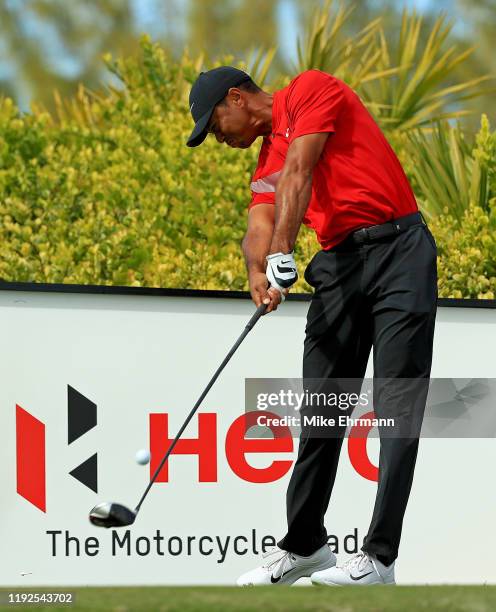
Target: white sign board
85 376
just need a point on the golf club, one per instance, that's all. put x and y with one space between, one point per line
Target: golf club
108 514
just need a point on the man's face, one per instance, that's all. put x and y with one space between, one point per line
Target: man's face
231 121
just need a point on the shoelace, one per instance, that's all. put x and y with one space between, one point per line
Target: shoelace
284 558
358 562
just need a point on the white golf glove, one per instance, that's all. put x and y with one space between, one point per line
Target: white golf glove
281 271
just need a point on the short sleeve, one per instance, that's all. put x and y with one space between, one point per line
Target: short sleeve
262 198
314 102
264 180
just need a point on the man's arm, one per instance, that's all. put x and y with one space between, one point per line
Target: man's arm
294 189
273 229
255 246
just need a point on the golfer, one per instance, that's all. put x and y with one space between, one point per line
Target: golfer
324 162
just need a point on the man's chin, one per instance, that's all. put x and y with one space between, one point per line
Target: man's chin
246 144
242 144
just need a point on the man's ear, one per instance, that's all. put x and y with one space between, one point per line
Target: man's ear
235 96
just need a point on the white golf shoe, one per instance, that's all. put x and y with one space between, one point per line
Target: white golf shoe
362 569
284 567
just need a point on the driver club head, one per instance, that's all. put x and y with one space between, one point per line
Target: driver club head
109 515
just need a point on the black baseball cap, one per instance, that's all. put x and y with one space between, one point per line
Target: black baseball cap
208 90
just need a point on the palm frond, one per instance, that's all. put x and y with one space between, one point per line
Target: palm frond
326 47
446 170
408 90
259 63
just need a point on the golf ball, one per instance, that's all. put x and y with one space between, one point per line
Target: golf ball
143 456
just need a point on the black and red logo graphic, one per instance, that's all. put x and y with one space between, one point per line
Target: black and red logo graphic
31 453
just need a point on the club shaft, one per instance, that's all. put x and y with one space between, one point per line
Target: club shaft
251 323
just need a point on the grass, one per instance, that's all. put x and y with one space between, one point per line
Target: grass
276 599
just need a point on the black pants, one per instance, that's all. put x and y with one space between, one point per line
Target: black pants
382 294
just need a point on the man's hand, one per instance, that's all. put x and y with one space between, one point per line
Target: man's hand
281 270
262 293
255 248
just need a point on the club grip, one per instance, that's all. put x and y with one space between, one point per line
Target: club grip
258 313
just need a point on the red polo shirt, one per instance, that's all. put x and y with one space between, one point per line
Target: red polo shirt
357 182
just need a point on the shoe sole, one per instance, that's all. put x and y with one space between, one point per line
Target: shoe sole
307 574
319 583
303 573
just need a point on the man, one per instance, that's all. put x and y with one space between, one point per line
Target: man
324 162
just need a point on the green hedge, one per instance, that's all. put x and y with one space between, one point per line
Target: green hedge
467 254
110 194
454 178
107 193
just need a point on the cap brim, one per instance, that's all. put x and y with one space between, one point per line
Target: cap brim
199 132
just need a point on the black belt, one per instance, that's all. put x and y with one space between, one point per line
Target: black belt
384 230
